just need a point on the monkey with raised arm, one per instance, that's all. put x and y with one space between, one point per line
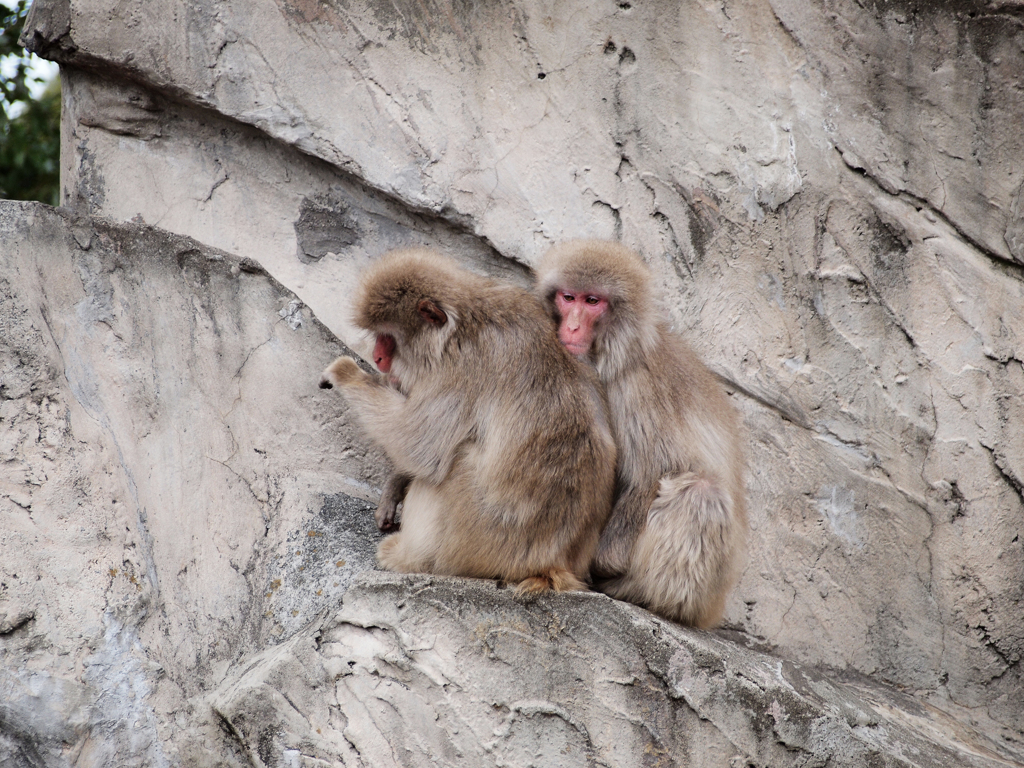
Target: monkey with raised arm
677 532
501 436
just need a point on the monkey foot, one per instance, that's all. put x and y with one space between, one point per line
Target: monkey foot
556 579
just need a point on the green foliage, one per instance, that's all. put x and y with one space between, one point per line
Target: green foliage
12 19
29 127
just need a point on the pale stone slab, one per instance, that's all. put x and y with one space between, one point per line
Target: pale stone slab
424 671
174 488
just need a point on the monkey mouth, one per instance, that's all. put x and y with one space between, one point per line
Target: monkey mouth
384 351
577 350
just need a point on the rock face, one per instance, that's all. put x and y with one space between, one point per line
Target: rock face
830 195
429 671
182 522
176 490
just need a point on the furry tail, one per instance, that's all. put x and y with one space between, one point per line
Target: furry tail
682 565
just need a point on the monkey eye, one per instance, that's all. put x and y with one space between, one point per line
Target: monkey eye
593 300
568 297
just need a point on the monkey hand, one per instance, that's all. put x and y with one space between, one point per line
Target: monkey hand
387 514
610 560
339 373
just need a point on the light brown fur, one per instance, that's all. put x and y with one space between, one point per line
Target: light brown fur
677 532
503 434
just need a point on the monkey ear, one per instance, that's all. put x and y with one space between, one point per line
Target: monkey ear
432 313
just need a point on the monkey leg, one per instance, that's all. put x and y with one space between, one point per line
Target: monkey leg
414 548
612 556
681 564
397 553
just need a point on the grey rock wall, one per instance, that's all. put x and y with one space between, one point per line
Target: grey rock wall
175 491
186 573
829 194
432 671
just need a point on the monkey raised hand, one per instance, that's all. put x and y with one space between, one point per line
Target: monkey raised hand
341 372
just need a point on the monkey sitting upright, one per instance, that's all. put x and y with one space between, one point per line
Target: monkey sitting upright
678 529
500 434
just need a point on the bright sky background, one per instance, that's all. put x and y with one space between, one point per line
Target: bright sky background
37 67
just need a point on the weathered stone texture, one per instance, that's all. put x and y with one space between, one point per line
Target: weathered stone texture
829 193
429 671
164 456
176 549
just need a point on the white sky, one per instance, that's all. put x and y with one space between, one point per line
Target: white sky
37 66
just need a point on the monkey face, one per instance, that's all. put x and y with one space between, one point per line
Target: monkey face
400 346
579 314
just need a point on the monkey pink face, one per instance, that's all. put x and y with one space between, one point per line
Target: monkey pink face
383 352
579 312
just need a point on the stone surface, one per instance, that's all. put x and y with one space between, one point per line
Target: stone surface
829 192
925 100
425 671
230 186
176 552
175 489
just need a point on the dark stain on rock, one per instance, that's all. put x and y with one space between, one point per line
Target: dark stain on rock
90 192
888 245
350 520
960 8
703 219
433 27
702 230
996 37
627 60
324 226
308 12
265 746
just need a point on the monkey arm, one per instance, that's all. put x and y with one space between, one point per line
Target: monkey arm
628 518
421 434
425 433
